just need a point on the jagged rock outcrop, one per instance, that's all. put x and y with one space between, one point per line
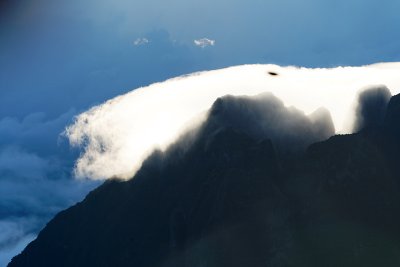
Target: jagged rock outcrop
371 107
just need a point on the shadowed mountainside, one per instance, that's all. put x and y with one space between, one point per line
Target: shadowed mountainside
243 193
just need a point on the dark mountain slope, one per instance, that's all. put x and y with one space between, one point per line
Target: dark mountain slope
243 194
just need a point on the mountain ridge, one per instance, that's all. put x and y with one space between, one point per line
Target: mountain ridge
235 198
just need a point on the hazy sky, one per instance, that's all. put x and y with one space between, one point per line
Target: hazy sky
80 52
58 58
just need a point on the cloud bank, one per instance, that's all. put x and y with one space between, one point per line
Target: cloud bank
118 135
35 178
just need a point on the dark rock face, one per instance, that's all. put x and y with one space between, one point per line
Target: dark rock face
234 199
392 118
371 108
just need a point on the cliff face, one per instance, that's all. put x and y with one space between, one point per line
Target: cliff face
240 197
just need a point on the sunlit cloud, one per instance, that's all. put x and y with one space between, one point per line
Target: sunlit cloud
204 42
118 135
141 41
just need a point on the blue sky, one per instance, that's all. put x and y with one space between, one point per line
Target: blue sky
58 58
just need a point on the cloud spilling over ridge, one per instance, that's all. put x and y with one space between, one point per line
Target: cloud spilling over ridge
117 135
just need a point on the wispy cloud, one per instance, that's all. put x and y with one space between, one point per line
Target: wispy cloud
204 42
141 41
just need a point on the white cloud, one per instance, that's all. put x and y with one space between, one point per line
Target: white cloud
141 41
204 42
117 135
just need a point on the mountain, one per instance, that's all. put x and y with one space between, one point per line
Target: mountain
258 184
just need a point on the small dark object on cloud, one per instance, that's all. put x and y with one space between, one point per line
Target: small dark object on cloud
272 73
